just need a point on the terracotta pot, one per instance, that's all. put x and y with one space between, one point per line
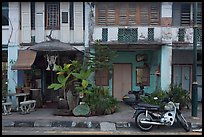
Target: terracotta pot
18 90
26 89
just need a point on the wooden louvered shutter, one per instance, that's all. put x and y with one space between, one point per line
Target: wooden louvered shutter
101 15
199 14
132 14
144 15
185 14
123 15
154 14
111 9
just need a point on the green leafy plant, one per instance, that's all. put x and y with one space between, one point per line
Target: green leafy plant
159 93
102 56
65 80
83 76
101 102
179 95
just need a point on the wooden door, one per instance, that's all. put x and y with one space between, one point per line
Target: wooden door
122 80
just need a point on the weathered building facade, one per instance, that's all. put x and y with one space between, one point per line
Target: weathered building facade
145 37
28 23
154 41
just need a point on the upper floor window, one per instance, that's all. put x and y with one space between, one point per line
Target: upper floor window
199 14
52 15
185 14
134 13
5 14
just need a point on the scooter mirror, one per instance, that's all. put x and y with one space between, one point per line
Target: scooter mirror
155 98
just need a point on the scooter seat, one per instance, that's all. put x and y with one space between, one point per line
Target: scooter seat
149 106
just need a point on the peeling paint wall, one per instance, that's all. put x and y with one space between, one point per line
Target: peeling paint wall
153 62
166 62
113 33
26 22
13 44
64 34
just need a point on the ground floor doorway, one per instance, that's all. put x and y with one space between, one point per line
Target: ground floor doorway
122 80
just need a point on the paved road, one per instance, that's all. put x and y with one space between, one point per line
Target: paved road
92 131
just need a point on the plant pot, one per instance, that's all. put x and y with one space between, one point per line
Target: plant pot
18 90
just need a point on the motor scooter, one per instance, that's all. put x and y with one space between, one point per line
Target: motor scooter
147 115
133 96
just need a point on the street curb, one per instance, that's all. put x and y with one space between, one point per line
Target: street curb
72 124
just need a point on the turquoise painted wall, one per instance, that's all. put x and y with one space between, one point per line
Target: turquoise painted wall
154 59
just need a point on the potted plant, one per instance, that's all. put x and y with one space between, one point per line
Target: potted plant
179 95
18 89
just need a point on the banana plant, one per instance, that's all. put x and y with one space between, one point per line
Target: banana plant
64 76
83 76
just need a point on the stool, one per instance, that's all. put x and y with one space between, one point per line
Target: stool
7 108
27 106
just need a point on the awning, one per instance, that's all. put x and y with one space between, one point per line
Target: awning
25 60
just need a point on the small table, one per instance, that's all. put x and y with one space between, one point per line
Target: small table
17 98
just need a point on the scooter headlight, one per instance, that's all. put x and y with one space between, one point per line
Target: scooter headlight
169 107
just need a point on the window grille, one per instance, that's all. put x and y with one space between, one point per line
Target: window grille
52 15
199 34
181 34
127 35
104 34
150 34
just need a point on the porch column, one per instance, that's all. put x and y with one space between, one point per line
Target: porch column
166 59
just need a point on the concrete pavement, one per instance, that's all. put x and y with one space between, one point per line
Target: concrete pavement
43 117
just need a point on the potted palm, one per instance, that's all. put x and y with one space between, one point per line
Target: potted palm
179 95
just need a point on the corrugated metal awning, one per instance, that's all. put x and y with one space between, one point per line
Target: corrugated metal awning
25 60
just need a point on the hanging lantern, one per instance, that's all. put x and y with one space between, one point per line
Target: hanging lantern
51 59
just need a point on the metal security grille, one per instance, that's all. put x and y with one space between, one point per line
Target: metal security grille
181 34
127 35
150 34
104 34
199 34
52 13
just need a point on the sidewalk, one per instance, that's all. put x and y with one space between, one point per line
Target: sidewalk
43 117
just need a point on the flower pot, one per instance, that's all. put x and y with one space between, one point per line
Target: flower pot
18 90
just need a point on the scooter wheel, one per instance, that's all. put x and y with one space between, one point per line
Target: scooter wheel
141 126
186 125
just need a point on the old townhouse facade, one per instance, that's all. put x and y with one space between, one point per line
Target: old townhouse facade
154 41
25 24
146 37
